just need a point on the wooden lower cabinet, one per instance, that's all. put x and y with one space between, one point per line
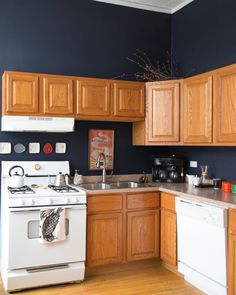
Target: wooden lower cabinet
122 227
142 235
104 239
232 253
168 237
168 251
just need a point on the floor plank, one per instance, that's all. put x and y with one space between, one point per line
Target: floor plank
145 278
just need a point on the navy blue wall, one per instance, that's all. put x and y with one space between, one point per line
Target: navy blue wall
83 38
203 35
203 38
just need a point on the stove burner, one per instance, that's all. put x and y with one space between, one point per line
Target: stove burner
63 188
21 190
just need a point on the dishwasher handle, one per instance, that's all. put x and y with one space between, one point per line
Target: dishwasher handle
190 203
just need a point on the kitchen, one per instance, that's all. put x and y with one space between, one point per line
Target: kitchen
46 38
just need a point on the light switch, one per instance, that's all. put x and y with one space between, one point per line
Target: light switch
193 164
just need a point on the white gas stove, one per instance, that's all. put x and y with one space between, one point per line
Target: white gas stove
26 261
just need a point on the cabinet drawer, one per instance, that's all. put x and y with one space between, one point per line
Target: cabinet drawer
143 200
103 203
168 201
232 220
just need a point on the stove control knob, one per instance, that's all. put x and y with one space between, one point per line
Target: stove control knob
37 167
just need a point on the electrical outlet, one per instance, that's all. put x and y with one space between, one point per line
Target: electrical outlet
193 164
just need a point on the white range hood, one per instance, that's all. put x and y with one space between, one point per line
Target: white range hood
37 124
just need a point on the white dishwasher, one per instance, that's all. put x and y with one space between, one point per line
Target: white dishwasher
202 244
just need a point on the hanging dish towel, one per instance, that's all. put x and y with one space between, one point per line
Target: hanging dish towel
52 225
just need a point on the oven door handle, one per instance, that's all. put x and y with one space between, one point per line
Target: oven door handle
38 209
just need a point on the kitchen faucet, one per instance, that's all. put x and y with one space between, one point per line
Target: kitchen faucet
101 163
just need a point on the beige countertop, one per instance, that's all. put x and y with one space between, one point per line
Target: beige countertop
208 195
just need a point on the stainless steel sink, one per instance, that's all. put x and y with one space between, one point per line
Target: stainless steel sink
113 185
95 186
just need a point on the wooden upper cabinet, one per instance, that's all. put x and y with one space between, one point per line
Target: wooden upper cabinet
225 105
20 93
93 98
128 99
163 111
197 123
57 95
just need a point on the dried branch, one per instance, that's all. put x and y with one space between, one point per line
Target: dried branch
150 72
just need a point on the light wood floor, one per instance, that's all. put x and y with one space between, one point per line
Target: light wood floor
145 278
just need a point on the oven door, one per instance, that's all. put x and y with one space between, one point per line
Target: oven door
25 249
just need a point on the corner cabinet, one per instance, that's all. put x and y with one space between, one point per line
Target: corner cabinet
163 109
232 253
225 105
197 113
168 251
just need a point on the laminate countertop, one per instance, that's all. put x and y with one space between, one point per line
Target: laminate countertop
207 195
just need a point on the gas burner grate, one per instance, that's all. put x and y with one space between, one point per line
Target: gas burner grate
21 190
63 188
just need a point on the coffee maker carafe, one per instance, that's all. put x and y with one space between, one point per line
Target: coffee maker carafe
167 169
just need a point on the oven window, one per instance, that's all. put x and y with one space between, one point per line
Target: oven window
33 229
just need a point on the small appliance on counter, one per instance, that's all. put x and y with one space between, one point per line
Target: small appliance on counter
168 169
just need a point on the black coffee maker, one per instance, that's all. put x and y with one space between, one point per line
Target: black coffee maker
168 169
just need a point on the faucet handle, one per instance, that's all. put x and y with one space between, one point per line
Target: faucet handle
111 174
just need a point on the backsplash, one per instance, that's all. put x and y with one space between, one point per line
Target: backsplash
127 159
222 160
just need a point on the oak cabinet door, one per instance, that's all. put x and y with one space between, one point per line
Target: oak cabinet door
57 96
93 98
232 264
168 251
225 105
163 112
198 109
128 99
20 94
142 235
104 239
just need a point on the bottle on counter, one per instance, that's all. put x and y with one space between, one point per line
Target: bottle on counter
78 178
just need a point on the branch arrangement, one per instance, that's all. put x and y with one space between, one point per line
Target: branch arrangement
152 72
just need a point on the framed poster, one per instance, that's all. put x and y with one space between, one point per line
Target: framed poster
101 141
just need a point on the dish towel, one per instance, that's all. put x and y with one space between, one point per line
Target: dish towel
52 225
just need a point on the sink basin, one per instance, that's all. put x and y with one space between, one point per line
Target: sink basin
113 185
124 184
95 186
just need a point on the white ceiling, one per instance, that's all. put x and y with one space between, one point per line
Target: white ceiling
166 6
